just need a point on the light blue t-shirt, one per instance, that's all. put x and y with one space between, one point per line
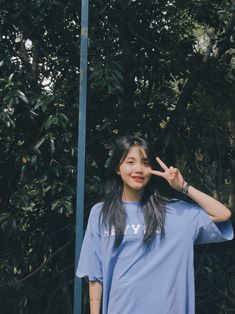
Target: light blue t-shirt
158 279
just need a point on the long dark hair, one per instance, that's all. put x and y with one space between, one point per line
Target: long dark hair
113 211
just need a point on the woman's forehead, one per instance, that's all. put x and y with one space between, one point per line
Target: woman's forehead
136 152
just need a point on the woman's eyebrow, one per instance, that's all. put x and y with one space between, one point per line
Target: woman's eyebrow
145 158
130 157
134 158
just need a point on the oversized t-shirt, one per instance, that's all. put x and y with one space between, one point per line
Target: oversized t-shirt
158 279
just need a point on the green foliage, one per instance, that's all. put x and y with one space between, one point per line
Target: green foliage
107 77
215 279
160 69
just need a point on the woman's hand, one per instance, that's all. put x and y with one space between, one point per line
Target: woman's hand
216 210
171 175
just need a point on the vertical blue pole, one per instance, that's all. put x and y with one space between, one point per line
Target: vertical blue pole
81 151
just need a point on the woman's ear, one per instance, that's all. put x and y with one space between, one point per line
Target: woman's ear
118 171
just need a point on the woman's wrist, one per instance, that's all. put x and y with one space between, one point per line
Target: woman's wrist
185 187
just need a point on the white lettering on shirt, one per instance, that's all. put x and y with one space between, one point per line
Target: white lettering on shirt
133 229
113 232
126 229
106 232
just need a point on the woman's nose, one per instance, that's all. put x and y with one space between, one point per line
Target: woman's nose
138 167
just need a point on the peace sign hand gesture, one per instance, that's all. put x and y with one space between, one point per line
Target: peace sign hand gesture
171 175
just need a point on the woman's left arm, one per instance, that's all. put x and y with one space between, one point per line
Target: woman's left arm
215 209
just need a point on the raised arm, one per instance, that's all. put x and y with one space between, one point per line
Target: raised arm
95 293
215 209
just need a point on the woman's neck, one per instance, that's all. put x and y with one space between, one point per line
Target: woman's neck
132 196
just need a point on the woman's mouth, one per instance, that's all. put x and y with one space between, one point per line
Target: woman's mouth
137 178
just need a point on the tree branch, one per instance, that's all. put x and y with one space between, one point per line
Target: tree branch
46 262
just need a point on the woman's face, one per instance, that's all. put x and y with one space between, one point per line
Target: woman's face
134 170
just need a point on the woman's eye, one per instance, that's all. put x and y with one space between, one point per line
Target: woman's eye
146 163
129 162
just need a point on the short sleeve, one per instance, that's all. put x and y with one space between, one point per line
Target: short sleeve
90 262
209 232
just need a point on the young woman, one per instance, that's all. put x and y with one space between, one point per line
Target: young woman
138 247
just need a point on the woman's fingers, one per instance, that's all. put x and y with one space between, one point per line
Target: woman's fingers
170 174
174 170
158 173
161 163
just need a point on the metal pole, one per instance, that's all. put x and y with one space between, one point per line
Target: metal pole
81 151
